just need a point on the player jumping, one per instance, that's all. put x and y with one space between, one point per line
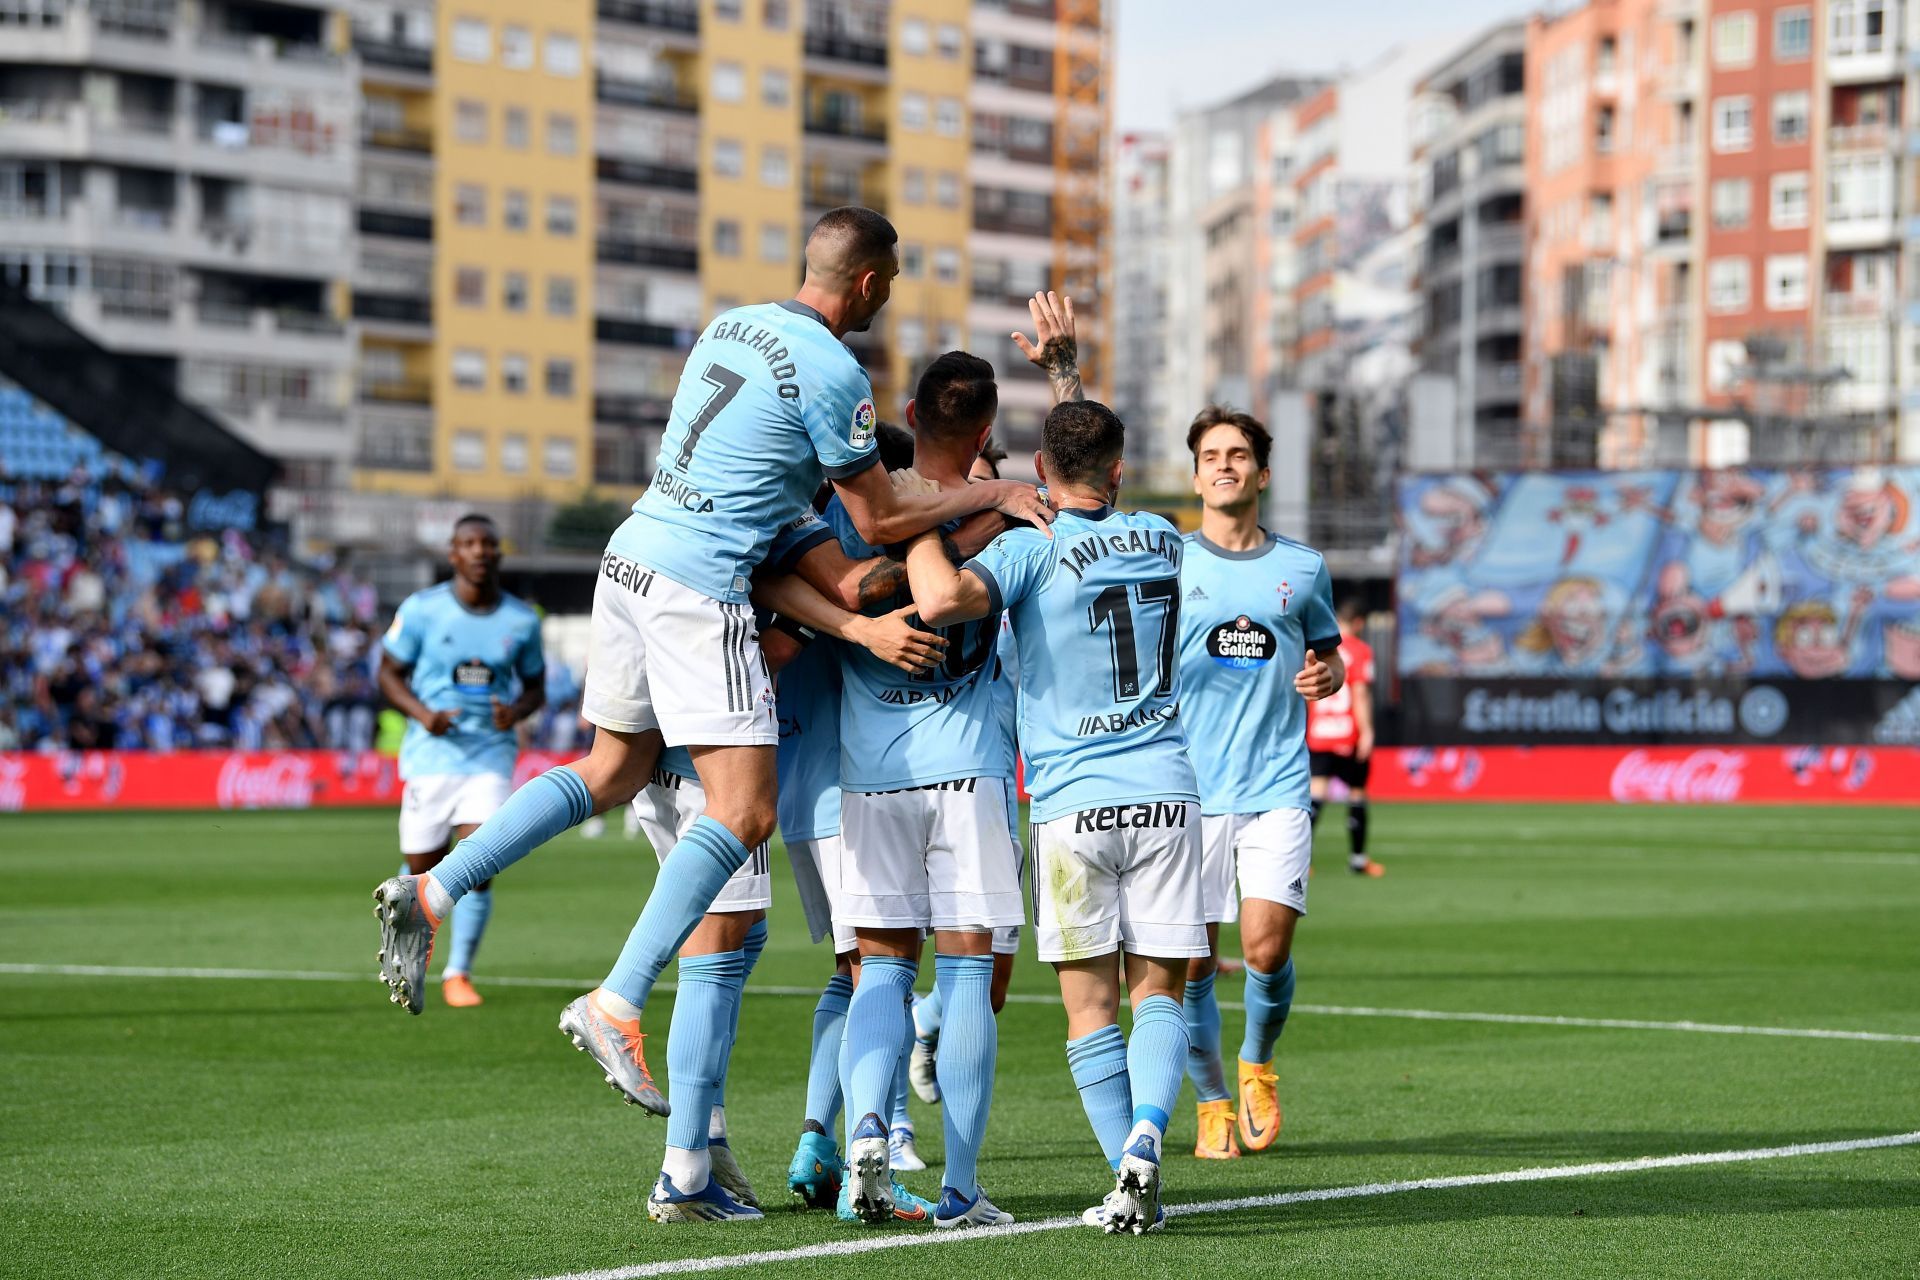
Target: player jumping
1116 816
1340 739
449 663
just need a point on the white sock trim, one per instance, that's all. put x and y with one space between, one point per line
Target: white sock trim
688 1169
439 901
615 1005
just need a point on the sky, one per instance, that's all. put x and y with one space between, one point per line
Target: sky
1170 55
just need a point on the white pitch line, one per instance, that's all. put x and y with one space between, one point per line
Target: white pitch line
1546 1173
758 989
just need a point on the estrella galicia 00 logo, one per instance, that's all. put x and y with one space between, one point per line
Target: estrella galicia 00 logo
1242 644
1763 711
865 423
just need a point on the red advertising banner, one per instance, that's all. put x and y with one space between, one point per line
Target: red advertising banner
76 780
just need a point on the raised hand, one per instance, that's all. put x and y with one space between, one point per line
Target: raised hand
1053 346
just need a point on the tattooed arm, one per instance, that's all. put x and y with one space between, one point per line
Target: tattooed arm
1053 347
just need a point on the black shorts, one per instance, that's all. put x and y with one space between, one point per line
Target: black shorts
1334 764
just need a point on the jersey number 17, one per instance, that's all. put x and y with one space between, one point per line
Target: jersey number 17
1113 608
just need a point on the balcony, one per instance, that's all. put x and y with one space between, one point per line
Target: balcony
412 141
1865 60
1674 229
1011 221
395 438
642 253
401 226
640 333
657 14
412 310
642 173
397 391
842 48
1499 383
1849 228
1877 136
392 54
631 410
265 322
824 125
640 93
824 195
1856 305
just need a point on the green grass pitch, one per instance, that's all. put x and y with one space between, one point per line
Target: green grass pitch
171 1126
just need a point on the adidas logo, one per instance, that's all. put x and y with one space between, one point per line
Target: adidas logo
1902 724
1196 594
1296 886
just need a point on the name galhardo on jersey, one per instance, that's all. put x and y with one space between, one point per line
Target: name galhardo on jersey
676 488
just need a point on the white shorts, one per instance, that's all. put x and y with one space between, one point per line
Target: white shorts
935 857
1269 853
661 655
666 807
1006 937
1119 878
816 872
431 807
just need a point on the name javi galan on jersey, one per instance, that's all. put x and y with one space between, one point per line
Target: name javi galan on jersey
1083 552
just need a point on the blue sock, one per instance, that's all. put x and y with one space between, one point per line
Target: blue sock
469 923
969 1045
823 1068
1269 996
875 1033
703 1009
1157 1060
897 1116
927 1013
756 943
1204 1067
690 877
1099 1064
556 801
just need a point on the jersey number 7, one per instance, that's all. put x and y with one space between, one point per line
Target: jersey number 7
1114 607
726 385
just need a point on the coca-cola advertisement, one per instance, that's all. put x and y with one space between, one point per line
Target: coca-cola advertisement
1803 774
196 780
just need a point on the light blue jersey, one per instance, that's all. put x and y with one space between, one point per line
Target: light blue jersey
809 755
769 404
462 662
1096 617
1247 619
899 730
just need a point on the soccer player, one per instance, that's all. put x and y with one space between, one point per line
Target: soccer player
769 404
925 842
1096 615
450 664
1257 641
1340 739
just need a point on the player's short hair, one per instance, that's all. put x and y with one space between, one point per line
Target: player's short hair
896 446
1259 439
956 396
1081 439
1351 610
474 517
993 453
849 240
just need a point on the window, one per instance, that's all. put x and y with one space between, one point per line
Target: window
563 55
560 295
1788 201
1733 40
773 242
776 87
1732 123
1792 35
948 117
472 41
470 286
516 48
1858 187
726 238
1856 26
1727 285
470 205
1732 203
562 140
513 453
556 457
519 133
470 369
559 376
1790 116
513 290
913 261
729 158
953 42
913 110
946 265
729 82
947 190
469 451
776 15
913 186
513 210
1787 282
562 215
513 373
913 36
776 170
910 336
470 120
728 10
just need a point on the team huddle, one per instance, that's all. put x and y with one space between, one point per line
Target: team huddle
856 634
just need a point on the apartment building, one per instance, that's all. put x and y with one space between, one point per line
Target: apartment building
1141 238
180 180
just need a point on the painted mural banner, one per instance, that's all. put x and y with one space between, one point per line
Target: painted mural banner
1740 605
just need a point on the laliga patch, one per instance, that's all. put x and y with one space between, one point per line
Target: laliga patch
866 424
1241 644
